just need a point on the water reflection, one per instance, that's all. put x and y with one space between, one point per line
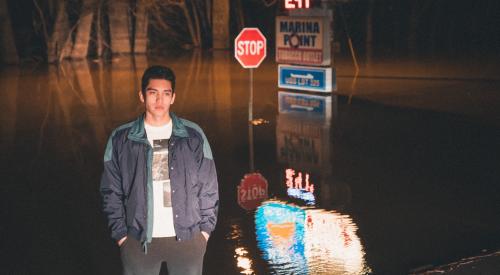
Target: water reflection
304 148
9 84
243 261
297 240
241 254
388 168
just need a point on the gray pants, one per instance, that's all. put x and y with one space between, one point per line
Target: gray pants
184 257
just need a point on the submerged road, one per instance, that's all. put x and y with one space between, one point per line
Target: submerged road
406 167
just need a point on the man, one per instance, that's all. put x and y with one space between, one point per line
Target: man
159 185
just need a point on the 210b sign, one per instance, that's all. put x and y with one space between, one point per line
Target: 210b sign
252 191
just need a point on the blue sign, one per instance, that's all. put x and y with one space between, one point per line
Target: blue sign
304 103
314 79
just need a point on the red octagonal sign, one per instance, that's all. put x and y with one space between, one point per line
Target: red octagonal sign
252 191
250 47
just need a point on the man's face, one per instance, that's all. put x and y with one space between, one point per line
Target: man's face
158 97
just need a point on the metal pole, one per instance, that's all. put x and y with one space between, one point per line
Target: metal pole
250 124
250 143
250 101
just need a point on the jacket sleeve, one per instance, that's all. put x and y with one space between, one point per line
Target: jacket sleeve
209 190
112 193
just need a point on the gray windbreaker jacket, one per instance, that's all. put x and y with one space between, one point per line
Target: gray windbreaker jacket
127 187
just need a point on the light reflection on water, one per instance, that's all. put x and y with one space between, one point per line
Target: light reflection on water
243 261
299 240
241 253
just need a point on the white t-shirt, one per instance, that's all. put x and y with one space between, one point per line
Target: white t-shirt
163 221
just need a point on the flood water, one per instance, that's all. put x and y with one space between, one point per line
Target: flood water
406 174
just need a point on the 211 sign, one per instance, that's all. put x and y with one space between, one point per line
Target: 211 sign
297 4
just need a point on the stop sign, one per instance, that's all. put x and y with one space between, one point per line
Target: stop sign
250 47
252 191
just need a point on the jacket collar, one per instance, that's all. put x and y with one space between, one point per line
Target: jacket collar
178 128
138 133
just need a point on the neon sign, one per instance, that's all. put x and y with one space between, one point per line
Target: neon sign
297 4
299 240
298 186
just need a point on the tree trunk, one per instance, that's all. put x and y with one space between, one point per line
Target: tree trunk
118 26
194 38
240 18
8 51
197 24
141 28
8 122
81 47
208 11
59 42
99 31
220 24
412 35
369 33
434 33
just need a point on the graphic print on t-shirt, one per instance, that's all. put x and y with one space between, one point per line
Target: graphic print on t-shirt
160 168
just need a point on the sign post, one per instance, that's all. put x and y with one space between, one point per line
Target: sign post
250 49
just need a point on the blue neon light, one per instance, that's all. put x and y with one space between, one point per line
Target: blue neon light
302 194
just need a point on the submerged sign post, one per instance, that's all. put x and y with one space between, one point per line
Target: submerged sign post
303 49
250 50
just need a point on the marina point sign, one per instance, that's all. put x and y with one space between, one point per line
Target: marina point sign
303 40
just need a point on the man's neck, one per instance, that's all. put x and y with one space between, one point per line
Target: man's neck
156 121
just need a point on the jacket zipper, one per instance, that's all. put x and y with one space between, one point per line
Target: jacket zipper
146 153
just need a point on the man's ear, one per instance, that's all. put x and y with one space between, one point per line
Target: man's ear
173 99
141 96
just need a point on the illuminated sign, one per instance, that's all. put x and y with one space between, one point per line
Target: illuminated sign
295 240
297 4
299 186
303 40
316 79
305 103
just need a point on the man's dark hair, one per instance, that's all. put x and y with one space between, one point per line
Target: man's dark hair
157 72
